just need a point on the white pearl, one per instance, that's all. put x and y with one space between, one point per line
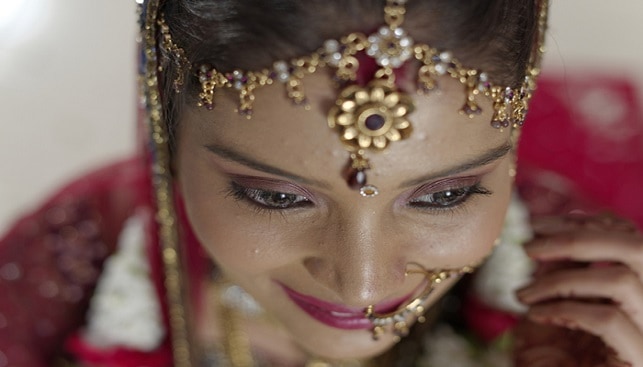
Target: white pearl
446 56
331 46
385 31
280 66
441 69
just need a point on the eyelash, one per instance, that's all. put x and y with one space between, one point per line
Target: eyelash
257 198
463 194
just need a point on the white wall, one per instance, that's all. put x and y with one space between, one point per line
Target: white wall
67 81
596 35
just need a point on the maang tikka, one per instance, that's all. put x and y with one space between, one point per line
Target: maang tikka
373 116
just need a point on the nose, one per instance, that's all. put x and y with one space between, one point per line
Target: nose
361 260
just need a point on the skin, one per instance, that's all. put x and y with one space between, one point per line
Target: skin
590 280
339 247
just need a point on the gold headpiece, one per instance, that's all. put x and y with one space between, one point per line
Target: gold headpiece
371 116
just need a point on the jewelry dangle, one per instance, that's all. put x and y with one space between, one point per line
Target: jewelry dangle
402 318
355 174
374 115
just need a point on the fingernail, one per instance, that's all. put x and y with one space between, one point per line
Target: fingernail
536 249
552 320
563 322
524 294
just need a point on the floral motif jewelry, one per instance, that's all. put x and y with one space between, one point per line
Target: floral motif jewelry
375 115
369 117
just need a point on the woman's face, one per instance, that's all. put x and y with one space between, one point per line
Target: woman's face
267 200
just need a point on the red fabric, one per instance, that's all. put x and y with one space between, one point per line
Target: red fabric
118 357
486 322
51 259
582 148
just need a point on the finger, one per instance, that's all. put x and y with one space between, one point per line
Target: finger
546 267
578 348
557 224
584 245
577 220
617 283
605 321
545 356
614 361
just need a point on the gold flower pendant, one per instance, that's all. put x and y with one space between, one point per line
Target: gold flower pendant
369 117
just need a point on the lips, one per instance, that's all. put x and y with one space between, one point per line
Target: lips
340 316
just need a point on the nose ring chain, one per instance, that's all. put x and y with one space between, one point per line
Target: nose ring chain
403 317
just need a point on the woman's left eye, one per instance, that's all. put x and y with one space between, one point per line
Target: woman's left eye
446 199
267 199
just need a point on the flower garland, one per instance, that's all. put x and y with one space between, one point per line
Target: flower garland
508 268
124 322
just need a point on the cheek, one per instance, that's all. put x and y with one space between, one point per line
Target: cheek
478 235
236 238
467 237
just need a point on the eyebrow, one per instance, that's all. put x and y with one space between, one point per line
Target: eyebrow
490 156
231 155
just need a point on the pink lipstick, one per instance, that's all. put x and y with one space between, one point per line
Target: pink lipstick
339 316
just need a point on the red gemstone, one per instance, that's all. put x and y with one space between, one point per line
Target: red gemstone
356 179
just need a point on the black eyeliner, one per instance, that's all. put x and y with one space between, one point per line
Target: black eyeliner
469 192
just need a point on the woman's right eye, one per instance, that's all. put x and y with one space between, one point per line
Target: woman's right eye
268 199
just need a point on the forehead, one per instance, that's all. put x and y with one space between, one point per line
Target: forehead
298 139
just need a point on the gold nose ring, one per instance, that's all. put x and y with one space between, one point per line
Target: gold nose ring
414 310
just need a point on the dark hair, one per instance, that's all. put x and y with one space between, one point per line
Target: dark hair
493 35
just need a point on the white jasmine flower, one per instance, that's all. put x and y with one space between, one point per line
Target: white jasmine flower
125 311
445 348
508 268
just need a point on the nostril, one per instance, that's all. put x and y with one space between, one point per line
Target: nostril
358 282
322 271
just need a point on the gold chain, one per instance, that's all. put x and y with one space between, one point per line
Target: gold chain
175 284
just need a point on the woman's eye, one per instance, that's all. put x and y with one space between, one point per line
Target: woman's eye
448 198
268 199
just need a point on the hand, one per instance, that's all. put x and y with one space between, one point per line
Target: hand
590 280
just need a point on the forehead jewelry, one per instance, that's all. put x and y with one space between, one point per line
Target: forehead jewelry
371 116
401 319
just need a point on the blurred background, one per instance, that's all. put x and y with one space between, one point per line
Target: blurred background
68 90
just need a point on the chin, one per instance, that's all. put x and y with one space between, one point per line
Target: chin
360 346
